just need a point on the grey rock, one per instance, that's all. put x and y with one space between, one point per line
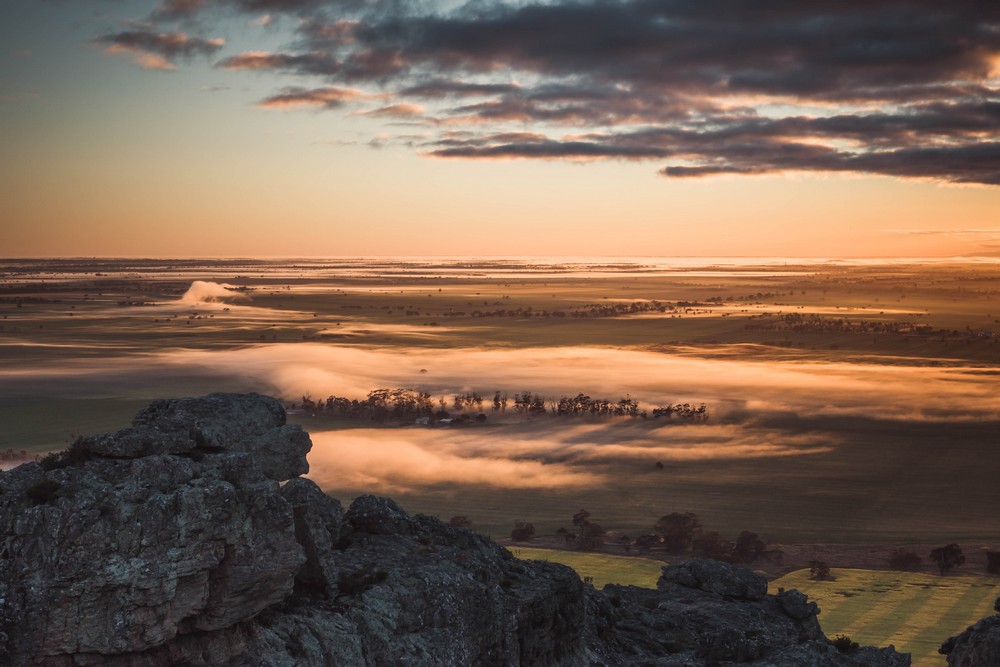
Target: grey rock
978 645
712 576
173 542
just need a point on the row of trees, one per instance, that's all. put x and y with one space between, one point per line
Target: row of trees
678 533
409 405
946 558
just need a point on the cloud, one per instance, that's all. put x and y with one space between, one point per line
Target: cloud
905 89
159 51
324 98
396 111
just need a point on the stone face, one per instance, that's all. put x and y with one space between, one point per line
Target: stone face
978 645
173 542
714 576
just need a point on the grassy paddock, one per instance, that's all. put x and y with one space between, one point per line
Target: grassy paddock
914 612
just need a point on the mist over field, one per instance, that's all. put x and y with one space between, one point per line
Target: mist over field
845 395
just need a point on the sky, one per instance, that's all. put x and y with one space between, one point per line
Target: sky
548 127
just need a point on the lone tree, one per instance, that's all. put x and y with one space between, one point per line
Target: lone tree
948 557
819 571
679 530
523 531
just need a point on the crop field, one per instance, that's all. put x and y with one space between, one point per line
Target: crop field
914 612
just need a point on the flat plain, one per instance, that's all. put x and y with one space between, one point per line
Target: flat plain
847 402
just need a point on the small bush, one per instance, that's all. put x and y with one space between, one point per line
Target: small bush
819 571
844 644
75 454
459 521
43 491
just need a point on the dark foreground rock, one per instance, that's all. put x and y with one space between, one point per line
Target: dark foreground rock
191 539
978 645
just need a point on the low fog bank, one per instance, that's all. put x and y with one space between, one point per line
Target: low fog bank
542 454
738 386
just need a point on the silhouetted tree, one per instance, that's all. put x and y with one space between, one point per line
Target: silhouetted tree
819 570
748 548
459 521
712 545
591 536
948 557
581 517
522 532
679 530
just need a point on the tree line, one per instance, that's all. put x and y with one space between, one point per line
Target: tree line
383 405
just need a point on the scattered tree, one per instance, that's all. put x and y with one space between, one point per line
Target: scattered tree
459 521
712 545
591 536
679 530
523 531
948 557
748 548
819 571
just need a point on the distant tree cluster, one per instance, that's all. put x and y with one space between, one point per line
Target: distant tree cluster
402 405
380 405
588 535
523 531
681 533
811 322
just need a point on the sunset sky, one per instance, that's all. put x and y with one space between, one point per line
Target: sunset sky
587 127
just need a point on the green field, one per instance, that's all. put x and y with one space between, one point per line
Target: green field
914 612
601 568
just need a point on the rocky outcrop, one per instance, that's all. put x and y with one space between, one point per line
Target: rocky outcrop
978 645
190 538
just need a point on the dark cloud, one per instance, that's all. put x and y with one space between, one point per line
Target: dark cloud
904 88
159 50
